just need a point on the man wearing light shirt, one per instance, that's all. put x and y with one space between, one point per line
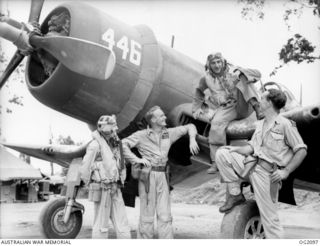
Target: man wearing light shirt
279 150
153 145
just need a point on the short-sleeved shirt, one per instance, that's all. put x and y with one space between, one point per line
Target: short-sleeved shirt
279 142
152 148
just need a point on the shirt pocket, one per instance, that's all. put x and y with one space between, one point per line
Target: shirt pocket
277 135
276 141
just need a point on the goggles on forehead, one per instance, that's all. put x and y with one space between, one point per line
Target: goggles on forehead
106 120
215 56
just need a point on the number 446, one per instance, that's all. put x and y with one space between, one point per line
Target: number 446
134 51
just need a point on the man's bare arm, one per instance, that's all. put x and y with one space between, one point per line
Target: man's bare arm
293 164
192 131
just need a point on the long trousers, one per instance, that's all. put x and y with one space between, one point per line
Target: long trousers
155 202
111 206
231 163
224 115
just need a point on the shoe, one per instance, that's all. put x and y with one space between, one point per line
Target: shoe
213 169
258 111
231 202
256 106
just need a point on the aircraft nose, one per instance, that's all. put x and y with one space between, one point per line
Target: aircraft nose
108 64
97 61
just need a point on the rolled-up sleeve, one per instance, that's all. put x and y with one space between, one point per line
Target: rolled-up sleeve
177 132
292 137
131 142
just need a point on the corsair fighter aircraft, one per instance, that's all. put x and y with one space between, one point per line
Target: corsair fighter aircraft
84 63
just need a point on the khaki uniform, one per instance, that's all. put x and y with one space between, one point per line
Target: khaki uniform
228 98
276 145
102 171
157 200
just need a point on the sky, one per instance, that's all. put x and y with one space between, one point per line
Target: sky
199 27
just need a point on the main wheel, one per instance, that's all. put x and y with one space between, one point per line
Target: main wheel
243 222
51 220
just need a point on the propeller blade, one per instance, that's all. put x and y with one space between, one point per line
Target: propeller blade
14 62
81 56
11 22
9 32
35 10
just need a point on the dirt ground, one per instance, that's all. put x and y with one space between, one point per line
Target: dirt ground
20 220
195 202
194 212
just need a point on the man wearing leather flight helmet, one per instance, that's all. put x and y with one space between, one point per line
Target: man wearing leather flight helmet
103 169
224 93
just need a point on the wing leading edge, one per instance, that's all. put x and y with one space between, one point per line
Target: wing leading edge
59 154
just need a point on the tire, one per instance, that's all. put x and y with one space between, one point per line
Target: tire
51 221
243 222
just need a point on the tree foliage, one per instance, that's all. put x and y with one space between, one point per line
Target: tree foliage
297 49
65 140
253 9
16 77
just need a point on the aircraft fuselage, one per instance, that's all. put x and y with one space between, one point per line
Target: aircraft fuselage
146 73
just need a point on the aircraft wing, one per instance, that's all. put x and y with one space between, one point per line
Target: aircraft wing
182 115
244 128
60 154
307 119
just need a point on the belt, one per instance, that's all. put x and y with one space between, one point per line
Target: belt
103 183
270 167
158 168
228 102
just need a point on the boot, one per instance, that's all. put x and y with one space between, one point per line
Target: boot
256 106
213 149
213 169
232 201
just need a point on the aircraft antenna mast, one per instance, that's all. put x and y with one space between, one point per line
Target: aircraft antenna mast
300 101
50 142
172 41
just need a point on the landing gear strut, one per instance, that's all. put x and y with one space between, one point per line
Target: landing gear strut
52 220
